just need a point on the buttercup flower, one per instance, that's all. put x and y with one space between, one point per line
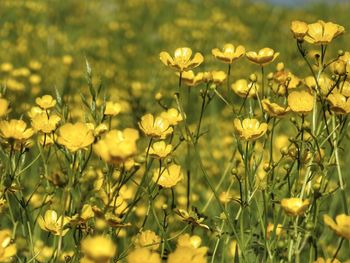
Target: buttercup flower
169 176
323 32
7 248
190 79
112 108
263 57
155 127
147 239
44 123
299 29
52 223
46 102
218 77
338 103
160 149
229 53
75 136
15 129
244 89
98 249
324 83
172 115
117 146
182 59
273 109
301 102
143 255
249 129
341 226
294 206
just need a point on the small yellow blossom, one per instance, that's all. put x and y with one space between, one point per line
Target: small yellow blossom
53 224
229 53
44 123
98 249
172 115
182 59
323 32
157 127
273 109
116 146
263 56
46 102
169 176
160 149
338 103
218 77
294 206
191 79
249 129
75 136
15 129
299 29
301 102
244 89
112 108
341 225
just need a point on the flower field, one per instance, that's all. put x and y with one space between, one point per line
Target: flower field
149 131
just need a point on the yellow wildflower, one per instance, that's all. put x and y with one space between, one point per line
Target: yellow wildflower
301 102
46 102
15 129
75 136
4 107
172 115
7 248
273 109
249 129
169 176
155 127
341 226
147 239
294 206
182 59
44 123
299 29
143 255
191 79
338 103
229 53
112 108
244 89
323 32
263 56
98 249
160 149
53 224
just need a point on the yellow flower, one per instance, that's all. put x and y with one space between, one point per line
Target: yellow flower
273 109
191 79
323 32
188 255
338 103
44 123
263 57
194 241
249 129
341 226
75 136
299 29
160 149
117 146
46 102
324 83
143 255
157 127
112 109
15 129
301 102
4 107
7 248
98 249
229 53
169 176
182 59
52 223
218 77
172 115
328 260
294 206
244 89
147 239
